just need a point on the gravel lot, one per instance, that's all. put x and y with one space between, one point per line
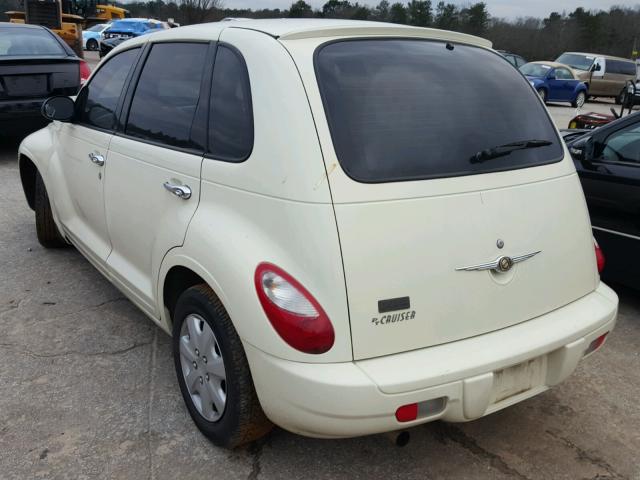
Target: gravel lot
88 390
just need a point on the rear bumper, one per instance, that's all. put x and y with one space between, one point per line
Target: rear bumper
19 116
360 398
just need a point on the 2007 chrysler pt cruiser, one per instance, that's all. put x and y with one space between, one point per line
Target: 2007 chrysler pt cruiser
342 235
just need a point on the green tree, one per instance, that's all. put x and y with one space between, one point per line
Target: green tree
300 9
475 19
398 13
446 16
337 9
381 12
420 12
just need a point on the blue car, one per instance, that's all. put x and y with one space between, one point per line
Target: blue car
556 82
91 37
132 27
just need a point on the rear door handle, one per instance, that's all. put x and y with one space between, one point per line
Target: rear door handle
97 159
180 191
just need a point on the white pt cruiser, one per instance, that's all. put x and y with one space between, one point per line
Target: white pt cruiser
347 227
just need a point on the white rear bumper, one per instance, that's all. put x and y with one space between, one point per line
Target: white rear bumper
360 398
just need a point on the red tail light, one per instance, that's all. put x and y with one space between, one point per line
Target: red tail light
407 413
294 313
599 256
85 71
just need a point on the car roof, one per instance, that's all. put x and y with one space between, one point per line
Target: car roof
551 64
606 57
20 25
293 29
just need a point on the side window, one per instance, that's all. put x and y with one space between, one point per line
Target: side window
231 111
613 66
167 94
622 146
99 99
563 74
520 61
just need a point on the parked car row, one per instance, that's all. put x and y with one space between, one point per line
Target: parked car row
329 271
575 77
123 29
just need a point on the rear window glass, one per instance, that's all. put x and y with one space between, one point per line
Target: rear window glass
18 41
414 109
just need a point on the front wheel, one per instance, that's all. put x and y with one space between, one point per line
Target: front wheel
620 98
543 94
213 372
92 44
46 228
580 100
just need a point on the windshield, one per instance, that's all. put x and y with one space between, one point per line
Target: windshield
24 41
535 70
126 26
576 60
96 28
412 109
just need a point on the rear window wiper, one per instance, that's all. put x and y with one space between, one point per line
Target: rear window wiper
506 149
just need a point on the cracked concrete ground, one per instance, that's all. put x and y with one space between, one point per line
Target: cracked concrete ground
88 390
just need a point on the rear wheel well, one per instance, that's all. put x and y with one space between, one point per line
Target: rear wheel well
178 280
28 172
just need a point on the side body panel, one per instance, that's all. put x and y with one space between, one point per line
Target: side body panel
77 187
144 219
273 207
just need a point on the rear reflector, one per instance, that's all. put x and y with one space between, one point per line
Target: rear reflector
599 256
407 413
596 344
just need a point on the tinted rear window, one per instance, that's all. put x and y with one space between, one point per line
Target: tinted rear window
414 109
17 41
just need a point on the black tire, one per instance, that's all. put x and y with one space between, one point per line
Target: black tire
621 97
46 228
543 95
243 420
92 44
580 100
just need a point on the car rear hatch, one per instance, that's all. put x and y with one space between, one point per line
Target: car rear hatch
28 77
424 217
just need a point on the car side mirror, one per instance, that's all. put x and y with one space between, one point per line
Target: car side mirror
58 108
596 67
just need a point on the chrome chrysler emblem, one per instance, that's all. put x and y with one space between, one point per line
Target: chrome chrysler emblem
501 264
505 264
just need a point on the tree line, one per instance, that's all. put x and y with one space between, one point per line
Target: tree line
613 32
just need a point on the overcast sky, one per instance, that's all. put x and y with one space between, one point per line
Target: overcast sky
497 8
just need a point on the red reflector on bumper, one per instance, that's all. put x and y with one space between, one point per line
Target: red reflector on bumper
407 413
596 344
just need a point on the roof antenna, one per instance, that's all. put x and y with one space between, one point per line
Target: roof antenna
449 46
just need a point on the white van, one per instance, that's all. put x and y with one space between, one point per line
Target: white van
348 227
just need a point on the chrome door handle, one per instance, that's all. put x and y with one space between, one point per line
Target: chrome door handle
97 159
180 191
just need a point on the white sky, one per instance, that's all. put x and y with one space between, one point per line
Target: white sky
497 8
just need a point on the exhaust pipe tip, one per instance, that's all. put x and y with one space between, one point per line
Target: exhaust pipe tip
399 439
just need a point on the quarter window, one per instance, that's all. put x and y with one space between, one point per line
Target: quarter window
231 112
99 99
167 94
